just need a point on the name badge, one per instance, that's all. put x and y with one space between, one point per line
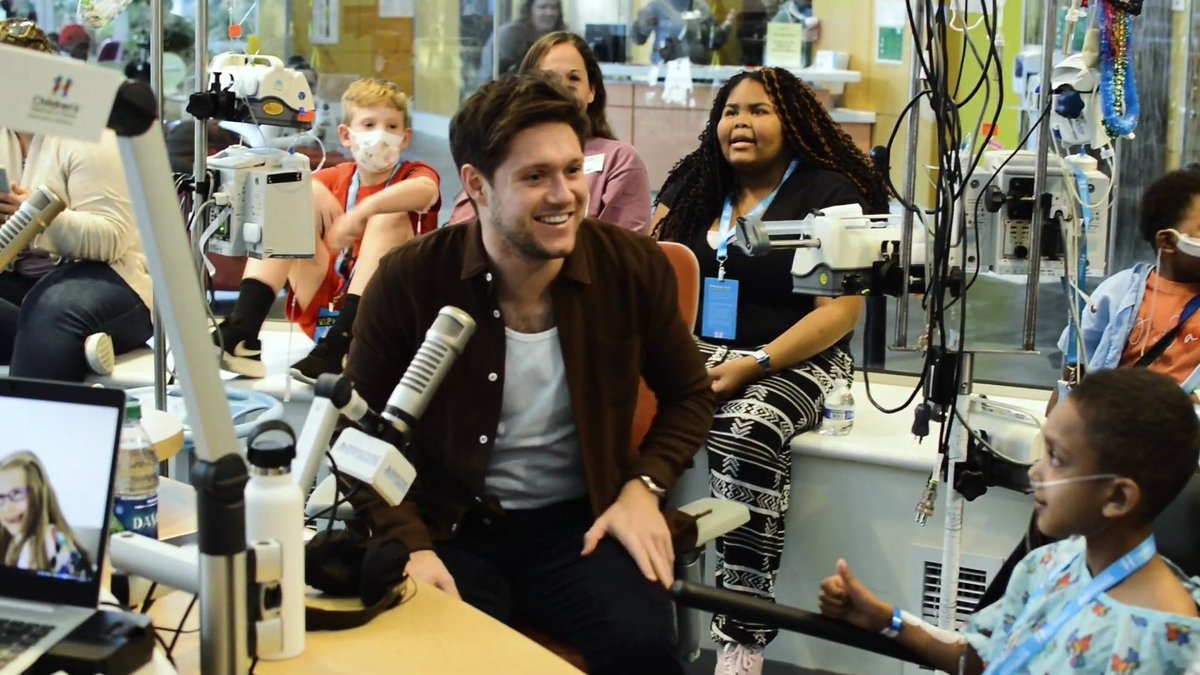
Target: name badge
325 319
720 309
593 163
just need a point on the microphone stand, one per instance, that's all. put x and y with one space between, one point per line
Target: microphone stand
220 473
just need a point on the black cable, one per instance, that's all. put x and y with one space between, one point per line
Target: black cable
911 397
179 631
337 490
253 664
149 599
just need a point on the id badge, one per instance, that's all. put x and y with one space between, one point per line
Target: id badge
325 319
720 309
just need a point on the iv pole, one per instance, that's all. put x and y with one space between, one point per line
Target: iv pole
959 435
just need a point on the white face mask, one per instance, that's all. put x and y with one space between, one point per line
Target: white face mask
1042 484
1186 244
376 150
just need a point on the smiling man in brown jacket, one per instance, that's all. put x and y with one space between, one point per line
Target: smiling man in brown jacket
529 503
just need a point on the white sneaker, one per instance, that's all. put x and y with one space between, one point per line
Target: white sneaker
98 350
735 659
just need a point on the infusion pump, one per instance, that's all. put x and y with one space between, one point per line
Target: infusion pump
263 204
1000 205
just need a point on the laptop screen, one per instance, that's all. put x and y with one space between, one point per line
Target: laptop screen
56 468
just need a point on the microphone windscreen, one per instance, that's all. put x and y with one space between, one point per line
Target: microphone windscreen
36 213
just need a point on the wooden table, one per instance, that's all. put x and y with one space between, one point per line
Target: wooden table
429 633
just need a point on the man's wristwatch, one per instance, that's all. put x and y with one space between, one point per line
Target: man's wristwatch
658 490
763 359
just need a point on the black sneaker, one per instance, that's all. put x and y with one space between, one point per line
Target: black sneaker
328 356
242 351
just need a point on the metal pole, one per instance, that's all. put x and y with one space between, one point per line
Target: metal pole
952 536
910 175
156 83
200 147
1114 208
1029 329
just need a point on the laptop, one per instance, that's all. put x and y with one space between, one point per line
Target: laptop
58 452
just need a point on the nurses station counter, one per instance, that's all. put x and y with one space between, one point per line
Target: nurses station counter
664 129
854 497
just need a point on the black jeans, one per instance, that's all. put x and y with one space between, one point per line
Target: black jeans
43 323
526 567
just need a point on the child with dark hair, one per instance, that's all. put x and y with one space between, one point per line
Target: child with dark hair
1102 600
1144 316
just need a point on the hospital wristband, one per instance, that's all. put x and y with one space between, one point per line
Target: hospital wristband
893 629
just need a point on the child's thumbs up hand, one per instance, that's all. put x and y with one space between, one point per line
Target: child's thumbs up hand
844 597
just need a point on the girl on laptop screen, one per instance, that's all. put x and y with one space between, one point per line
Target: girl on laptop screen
35 536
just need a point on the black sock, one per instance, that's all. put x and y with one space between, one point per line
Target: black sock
343 325
253 304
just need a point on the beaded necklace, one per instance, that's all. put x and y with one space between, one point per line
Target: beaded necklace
1118 87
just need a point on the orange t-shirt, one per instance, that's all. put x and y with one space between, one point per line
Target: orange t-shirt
1183 355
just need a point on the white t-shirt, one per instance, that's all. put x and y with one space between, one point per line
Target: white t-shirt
535 460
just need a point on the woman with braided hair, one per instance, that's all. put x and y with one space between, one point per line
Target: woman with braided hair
769 150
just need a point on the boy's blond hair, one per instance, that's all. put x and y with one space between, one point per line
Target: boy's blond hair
370 91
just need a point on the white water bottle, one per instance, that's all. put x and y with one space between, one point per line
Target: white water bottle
135 489
275 512
837 419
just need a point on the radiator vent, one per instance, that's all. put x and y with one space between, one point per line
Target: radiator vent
975 572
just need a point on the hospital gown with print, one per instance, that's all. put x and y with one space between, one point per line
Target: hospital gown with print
1104 637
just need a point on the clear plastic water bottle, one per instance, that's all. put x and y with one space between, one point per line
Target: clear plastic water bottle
838 417
135 494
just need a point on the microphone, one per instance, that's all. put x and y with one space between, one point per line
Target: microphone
35 215
373 455
444 342
340 392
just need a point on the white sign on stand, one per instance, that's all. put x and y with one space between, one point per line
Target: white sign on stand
785 45
57 96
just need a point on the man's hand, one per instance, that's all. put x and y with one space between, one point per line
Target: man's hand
11 201
636 521
731 376
326 209
844 597
426 566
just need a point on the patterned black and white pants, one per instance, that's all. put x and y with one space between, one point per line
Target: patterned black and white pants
750 461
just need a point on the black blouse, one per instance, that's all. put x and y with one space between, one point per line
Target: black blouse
766 304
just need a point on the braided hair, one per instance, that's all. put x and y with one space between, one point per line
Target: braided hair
705 177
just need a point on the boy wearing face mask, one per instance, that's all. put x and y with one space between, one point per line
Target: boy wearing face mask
1146 316
363 209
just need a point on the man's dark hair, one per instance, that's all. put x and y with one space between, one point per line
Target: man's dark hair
485 125
1140 425
1166 202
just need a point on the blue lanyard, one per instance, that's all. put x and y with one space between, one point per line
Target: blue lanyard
726 231
1111 576
351 201
352 195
